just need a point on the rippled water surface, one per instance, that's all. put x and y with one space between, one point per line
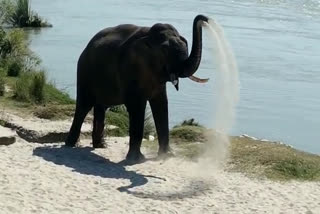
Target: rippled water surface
276 43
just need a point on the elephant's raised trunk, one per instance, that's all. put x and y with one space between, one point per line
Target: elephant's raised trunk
191 64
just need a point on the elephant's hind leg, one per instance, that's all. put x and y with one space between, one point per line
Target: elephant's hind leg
98 126
136 109
82 109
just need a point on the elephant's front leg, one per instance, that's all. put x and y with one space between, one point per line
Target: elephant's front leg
136 109
159 107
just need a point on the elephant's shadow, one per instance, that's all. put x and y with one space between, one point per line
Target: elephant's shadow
84 161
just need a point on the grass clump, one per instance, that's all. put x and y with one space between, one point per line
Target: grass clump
118 117
22 88
30 87
188 133
18 13
14 69
273 160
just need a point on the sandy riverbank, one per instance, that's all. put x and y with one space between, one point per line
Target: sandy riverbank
47 178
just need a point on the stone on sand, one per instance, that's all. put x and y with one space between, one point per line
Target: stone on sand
7 136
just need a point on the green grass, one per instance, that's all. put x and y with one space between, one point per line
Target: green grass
57 104
119 119
118 116
188 133
275 161
56 96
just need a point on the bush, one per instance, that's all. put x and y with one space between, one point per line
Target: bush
188 133
120 113
18 13
22 89
30 87
119 119
189 122
37 86
14 69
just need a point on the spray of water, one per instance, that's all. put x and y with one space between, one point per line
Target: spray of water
227 88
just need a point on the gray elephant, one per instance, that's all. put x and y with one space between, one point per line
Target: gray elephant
130 65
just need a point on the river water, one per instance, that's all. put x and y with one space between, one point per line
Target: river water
276 44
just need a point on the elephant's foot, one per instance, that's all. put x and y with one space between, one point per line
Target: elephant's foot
100 145
70 143
165 154
134 157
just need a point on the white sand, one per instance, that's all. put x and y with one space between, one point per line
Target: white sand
43 178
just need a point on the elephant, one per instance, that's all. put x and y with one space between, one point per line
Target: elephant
130 65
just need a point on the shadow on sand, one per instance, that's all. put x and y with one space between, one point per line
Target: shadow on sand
84 161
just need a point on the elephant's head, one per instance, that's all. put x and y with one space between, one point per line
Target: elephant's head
174 59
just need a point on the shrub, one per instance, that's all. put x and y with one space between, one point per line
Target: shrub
30 87
188 133
119 109
22 89
189 122
14 69
37 86
119 119
120 113
19 13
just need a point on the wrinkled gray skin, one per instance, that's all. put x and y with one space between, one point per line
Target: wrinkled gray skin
130 65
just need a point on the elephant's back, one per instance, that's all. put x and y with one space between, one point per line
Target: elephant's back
99 64
114 37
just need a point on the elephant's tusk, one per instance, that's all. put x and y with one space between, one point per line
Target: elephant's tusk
197 79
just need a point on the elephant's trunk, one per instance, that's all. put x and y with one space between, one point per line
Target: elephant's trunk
191 64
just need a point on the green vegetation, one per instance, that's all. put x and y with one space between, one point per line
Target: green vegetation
254 157
188 134
18 13
275 161
189 122
188 131
119 117
28 89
